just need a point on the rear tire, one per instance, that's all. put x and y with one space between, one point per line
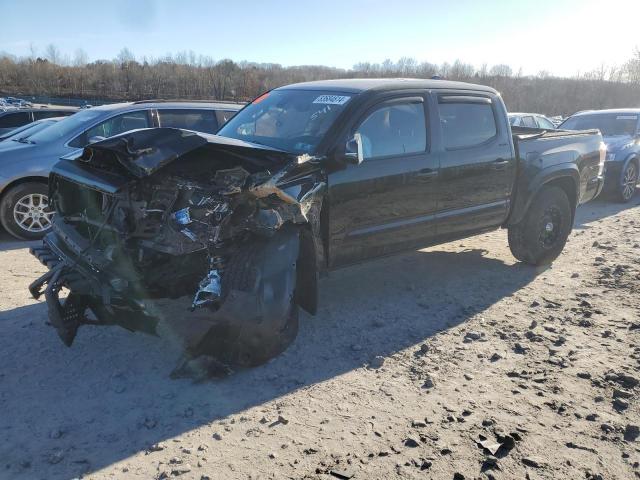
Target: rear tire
542 234
628 182
24 211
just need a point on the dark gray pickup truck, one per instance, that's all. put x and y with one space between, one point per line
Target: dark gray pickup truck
229 232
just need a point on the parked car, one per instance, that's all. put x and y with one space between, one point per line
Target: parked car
18 102
531 120
557 120
621 131
17 118
308 177
25 166
29 129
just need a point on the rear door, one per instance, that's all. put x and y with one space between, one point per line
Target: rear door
477 162
386 203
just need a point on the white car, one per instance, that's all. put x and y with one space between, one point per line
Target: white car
532 120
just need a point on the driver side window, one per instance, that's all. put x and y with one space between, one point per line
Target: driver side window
544 123
391 130
113 126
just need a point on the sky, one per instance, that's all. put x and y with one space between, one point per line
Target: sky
563 37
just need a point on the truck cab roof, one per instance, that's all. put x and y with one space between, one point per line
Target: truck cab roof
359 85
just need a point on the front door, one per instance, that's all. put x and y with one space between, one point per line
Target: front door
387 203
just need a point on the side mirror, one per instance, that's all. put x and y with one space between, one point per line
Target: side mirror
97 138
353 153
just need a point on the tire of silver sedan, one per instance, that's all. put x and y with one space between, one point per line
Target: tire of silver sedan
541 236
25 212
628 182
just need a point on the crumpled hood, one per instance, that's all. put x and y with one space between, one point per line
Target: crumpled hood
616 143
142 152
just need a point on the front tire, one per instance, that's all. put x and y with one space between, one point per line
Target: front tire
628 182
25 212
250 334
542 234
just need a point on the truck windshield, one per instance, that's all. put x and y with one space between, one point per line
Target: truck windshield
609 124
291 120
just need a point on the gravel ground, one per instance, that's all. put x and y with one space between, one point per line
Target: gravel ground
452 362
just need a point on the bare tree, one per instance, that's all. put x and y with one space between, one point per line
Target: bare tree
501 70
186 75
52 53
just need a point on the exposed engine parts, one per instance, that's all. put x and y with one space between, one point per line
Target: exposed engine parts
210 222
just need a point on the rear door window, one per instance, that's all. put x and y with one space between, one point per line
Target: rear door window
529 121
113 126
40 114
223 116
544 123
190 119
14 119
466 124
394 130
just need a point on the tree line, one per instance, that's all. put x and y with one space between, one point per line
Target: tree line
189 76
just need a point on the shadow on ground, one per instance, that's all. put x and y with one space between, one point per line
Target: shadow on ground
69 411
7 242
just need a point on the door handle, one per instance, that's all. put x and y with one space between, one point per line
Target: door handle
499 164
427 173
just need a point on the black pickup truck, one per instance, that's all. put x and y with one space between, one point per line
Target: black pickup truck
229 232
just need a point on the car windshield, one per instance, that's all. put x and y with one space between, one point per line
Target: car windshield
609 124
63 128
291 120
28 130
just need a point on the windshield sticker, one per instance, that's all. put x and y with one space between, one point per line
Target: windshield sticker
332 99
627 117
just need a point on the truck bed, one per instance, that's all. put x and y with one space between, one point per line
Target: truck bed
526 133
541 153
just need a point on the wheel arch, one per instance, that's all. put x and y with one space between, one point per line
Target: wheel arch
565 177
22 180
635 158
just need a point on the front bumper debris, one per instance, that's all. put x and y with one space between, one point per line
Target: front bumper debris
205 250
65 316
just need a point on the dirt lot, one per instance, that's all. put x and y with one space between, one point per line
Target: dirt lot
411 363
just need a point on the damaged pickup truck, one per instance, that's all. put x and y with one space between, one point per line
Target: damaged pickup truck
219 239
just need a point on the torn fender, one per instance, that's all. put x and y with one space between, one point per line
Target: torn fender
258 318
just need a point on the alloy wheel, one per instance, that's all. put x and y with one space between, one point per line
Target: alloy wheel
629 181
32 213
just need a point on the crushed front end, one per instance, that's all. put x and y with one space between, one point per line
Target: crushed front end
164 230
